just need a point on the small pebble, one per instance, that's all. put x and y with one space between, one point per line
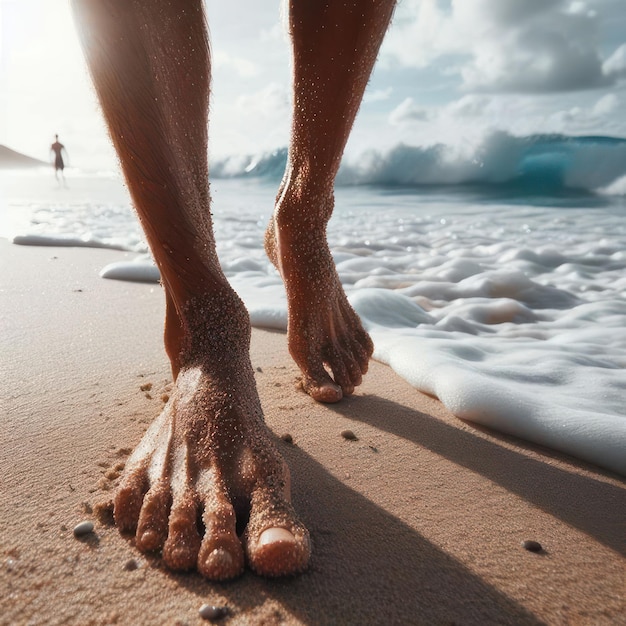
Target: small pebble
348 434
532 546
82 529
212 613
287 438
131 565
258 369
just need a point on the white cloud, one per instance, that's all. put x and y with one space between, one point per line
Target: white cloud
529 46
606 105
377 95
421 31
470 106
615 65
224 61
270 101
408 112
473 116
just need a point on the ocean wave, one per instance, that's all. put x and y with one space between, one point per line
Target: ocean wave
535 164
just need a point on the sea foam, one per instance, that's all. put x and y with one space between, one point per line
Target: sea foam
511 309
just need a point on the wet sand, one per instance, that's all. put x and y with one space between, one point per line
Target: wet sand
419 521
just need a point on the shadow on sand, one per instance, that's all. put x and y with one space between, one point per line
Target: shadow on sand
368 567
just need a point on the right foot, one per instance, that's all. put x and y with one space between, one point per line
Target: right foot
206 486
325 335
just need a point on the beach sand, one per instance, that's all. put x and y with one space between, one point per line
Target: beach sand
419 521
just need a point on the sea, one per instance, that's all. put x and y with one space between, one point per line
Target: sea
492 278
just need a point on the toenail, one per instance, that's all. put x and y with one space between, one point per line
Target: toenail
148 538
274 535
220 558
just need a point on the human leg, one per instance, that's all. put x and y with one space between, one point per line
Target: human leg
335 45
208 455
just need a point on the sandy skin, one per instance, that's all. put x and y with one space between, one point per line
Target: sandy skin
205 485
324 333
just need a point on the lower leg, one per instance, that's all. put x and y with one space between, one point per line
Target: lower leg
334 48
208 454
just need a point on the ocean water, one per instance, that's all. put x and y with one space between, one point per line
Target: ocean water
494 280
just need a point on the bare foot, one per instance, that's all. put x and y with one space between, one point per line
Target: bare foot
324 332
206 485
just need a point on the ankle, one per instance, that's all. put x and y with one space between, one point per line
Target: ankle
304 203
215 327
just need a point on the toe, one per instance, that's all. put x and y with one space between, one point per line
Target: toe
129 500
153 519
366 344
279 552
338 361
319 385
277 543
360 356
181 548
327 391
221 554
355 372
221 558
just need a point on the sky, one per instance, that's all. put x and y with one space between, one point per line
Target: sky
449 71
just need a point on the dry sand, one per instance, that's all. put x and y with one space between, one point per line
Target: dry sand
419 521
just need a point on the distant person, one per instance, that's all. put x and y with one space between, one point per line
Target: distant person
59 165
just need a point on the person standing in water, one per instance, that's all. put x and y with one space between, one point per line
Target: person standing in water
59 165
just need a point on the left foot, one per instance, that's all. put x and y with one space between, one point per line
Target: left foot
324 331
206 486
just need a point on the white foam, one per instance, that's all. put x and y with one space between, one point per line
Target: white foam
514 315
139 271
66 241
616 188
563 397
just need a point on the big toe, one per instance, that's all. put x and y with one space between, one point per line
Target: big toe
327 393
319 385
279 552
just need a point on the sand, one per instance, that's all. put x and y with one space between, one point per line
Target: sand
418 521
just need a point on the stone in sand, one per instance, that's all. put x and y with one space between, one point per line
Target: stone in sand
82 529
349 435
131 565
212 613
532 546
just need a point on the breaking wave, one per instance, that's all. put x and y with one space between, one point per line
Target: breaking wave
535 164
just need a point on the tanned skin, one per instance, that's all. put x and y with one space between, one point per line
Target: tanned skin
209 453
